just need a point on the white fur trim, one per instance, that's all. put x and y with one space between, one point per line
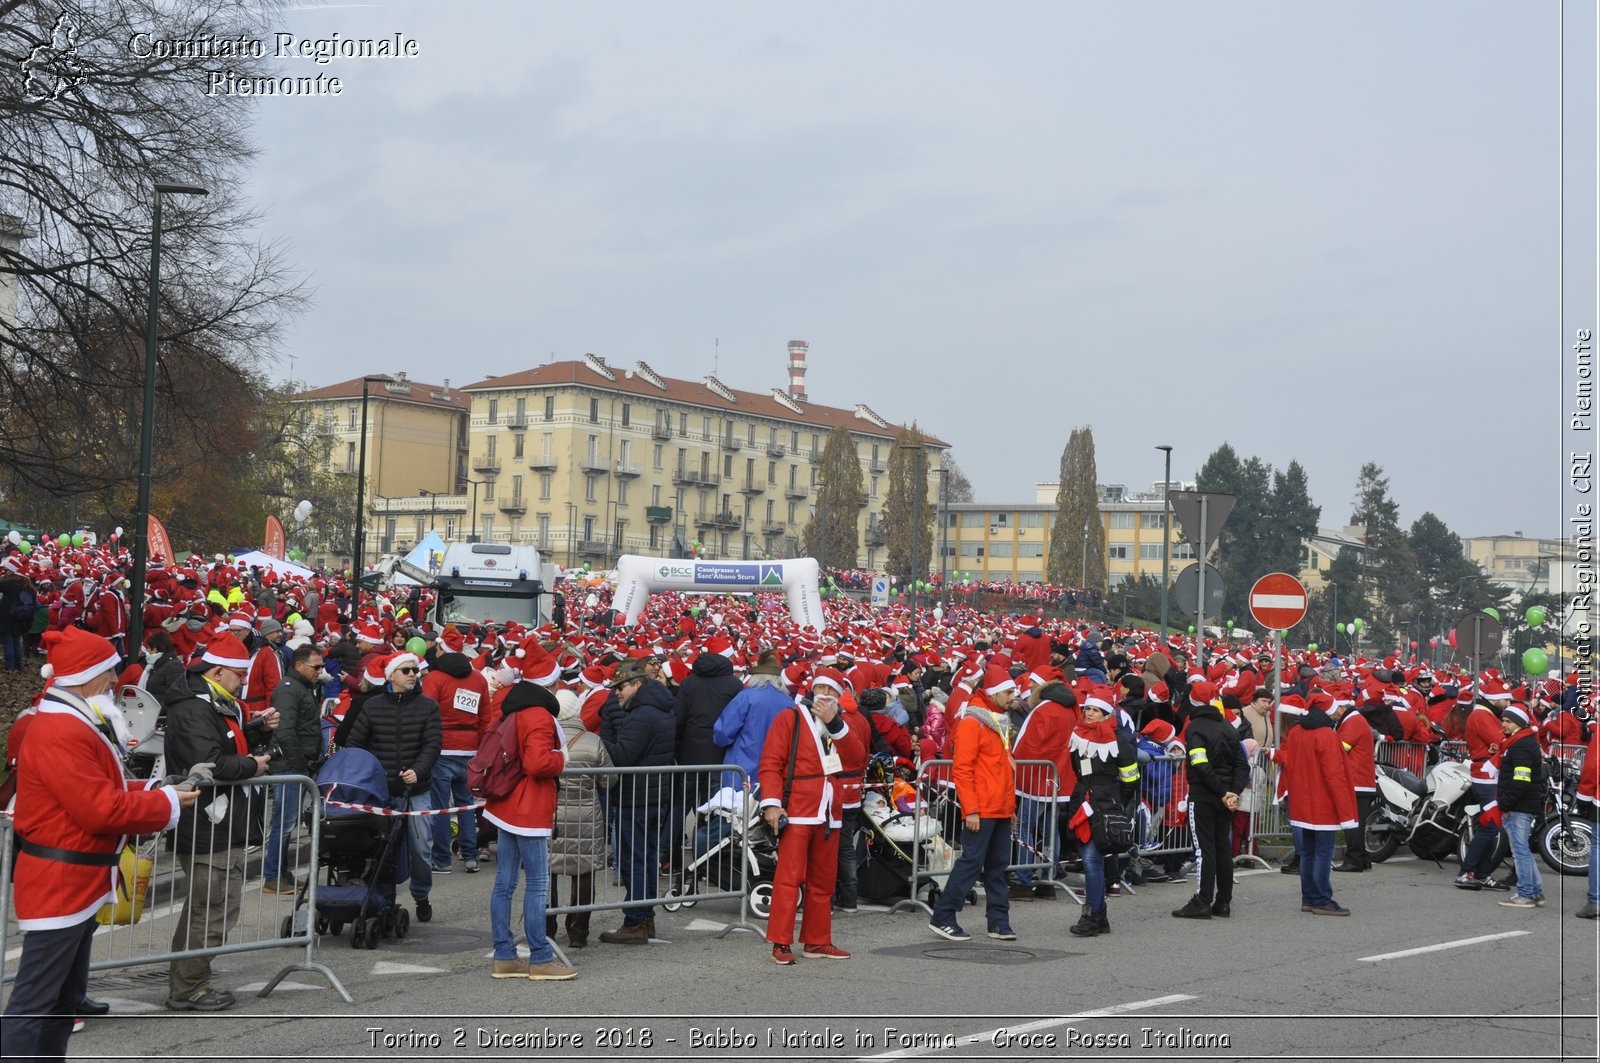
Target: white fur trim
77 679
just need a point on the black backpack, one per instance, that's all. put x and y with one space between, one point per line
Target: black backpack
25 605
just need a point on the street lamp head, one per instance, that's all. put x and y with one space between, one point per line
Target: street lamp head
177 188
1164 446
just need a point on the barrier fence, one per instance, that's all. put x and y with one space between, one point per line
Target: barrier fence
193 895
1163 826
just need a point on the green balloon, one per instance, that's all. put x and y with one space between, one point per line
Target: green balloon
416 645
1312 647
1191 629
1359 623
1492 611
63 539
77 539
1536 615
1339 628
1535 660
25 546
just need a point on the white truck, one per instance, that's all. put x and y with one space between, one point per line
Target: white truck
480 583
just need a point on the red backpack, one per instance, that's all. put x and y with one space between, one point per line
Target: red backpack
495 769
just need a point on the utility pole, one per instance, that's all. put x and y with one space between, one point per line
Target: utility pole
1166 536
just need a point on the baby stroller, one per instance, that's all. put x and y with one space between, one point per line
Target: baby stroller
720 828
364 853
891 823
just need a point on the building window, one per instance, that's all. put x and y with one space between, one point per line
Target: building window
516 487
494 411
683 424
588 528
751 437
594 411
816 443
874 482
522 411
549 407
1030 520
588 488
1152 520
1120 520
792 512
488 527
1119 552
971 549
622 492
627 413
349 457
544 530
655 457
594 447
544 487
1001 520
516 445
622 452
449 529
355 413
705 429
655 494
1149 551
794 442
972 520
727 465
772 472
999 548
770 505
492 446
1182 552
419 533
1030 549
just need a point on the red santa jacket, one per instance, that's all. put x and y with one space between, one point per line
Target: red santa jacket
1483 743
855 763
71 795
107 614
1589 781
1316 776
1044 736
530 810
813 798
593 702
463 706
1360 750
266 672
1031 650
1416 726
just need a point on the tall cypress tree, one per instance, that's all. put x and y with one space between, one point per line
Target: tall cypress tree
1077 510
839 501
900 507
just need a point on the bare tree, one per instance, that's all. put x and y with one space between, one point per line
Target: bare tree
90 120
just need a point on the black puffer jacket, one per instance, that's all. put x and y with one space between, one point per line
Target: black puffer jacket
1107 784
164 679
706 691
1382 719
1521 786
198 734
640 735
1216 761
402 731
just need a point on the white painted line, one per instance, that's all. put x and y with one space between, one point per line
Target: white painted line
1031 1027
1277 601
705 924
385 967
256 987
126 1006
1463 943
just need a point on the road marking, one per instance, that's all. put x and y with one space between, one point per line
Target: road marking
1463 943
256 987
706 924
1042 1024
385 967
125 1006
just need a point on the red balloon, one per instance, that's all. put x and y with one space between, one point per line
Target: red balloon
1413 643
1433 643
1452 638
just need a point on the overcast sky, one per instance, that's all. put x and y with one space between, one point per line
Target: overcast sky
1317 231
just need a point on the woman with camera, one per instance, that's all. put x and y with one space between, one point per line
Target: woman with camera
1107 769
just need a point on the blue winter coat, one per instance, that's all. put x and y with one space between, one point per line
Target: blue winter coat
742 727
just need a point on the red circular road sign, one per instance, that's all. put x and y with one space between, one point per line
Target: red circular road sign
1278 600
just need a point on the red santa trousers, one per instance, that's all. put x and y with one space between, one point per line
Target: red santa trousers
807 853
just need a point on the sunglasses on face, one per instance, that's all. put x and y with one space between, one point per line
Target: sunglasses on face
406 671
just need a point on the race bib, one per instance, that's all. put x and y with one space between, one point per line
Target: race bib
832 764
466 701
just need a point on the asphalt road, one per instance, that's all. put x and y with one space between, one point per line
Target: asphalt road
1269 983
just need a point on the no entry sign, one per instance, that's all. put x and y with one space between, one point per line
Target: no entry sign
1278 601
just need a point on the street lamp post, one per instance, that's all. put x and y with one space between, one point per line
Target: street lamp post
944 527
472 532
918 504
1166 535
433 505
141 525
822 532
361 499
572 524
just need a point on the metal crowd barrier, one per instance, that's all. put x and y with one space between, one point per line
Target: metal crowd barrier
1407 756
1164 826
1269 818
668 837
1574 753
1035 845
151 924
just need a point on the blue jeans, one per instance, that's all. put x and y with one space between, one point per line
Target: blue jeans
984 851
1316 865
449 790
13 644
1519 826
1594 864
286 801
1480 851
530 856
419 832
1094 876
1035 837
641 857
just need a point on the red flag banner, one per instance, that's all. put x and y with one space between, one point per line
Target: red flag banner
160 545
276 545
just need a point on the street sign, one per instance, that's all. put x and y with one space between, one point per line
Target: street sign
1186 590
1478 634
1278 601
880 592
1201 515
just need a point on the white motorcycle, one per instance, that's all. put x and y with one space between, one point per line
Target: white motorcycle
1433 818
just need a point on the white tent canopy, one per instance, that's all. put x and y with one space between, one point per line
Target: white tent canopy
257 558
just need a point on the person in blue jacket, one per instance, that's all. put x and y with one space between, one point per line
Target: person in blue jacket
741 729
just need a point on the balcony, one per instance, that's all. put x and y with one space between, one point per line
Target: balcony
542 463
815 457
595 464
696 477
727 519
877 465
625 472
731 443
876 535
592 547
658 514
773 527
327 428
513 505
490 463
796 491
777 450
518 423
661 431
753 487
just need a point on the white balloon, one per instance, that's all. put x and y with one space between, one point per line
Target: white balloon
14 537
938 612
592 600
302 511
716 619
118 532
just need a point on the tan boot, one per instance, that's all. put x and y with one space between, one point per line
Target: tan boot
509 969
551 971
636 934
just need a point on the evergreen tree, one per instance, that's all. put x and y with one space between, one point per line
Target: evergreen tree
1243 553
1448 582
1291 519
1390 566
1077 509
839 499
909 463
1345 575
957 488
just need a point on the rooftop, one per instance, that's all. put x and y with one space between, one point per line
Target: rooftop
397 389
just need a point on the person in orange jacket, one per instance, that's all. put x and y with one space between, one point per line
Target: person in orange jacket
986 782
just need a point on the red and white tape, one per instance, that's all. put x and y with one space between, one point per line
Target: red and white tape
379 810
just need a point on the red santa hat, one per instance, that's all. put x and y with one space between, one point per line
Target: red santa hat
718 644
367 631
1160 731
1320 699
76 656
453 640
830 677
226 651
1201 692
997 680
398 660
536 664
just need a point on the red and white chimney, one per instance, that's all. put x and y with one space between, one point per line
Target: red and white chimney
797 369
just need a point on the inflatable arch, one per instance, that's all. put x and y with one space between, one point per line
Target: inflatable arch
796 577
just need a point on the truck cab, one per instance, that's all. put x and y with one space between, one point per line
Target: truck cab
492 582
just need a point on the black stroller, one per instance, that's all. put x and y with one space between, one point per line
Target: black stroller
720 827
365 853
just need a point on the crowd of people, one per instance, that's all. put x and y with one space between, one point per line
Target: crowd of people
962 586
248 663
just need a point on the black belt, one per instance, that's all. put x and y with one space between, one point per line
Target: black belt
460 727
69 856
